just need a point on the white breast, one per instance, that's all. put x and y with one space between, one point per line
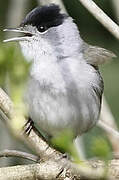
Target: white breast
60 96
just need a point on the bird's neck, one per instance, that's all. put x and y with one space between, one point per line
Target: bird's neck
44 63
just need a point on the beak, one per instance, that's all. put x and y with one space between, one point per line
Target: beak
25 35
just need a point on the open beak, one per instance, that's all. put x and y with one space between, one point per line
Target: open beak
25 35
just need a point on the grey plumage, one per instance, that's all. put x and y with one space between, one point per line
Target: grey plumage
65 87
64 91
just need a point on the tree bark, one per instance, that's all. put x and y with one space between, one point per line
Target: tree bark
50 170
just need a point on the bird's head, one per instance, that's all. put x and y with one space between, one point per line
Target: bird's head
45 30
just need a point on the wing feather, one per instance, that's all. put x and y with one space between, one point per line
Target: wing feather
96 55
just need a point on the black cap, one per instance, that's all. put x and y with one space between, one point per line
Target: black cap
46 16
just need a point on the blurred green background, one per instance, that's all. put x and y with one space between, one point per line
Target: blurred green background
13 67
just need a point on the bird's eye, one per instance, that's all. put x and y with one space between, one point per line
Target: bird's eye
42 28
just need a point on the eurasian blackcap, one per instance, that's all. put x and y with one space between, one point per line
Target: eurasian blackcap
65 87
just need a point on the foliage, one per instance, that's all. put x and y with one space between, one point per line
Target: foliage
13 75
13 69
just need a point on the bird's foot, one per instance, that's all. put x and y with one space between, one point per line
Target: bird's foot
28 126
66 156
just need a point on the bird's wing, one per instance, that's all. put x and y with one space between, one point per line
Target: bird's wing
96 55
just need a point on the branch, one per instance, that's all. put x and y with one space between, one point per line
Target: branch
101 17
51 170
14 153
6 104
36 171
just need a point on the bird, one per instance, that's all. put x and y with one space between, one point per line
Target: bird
65 87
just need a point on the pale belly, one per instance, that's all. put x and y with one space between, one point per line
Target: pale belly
55 112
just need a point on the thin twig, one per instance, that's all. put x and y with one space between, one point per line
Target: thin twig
98 13
15 153
108 129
